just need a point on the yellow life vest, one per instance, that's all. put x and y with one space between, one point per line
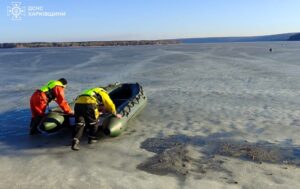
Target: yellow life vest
97 96
91 96
48 88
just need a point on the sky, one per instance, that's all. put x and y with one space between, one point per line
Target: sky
80 20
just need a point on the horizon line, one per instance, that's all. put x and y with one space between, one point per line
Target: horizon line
159 39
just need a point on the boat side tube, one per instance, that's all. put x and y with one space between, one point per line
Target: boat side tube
114 126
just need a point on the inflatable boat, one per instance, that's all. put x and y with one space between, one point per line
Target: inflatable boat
129 99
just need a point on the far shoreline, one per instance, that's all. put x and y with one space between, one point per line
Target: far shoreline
86 44
206 40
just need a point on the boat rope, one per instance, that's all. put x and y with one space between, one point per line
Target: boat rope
133 101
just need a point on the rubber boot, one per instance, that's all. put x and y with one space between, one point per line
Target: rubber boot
92 140
93 130
75 144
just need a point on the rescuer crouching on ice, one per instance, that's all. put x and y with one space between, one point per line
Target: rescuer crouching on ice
53 90
88 108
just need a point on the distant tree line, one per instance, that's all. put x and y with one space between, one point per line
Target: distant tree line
87 43
295 37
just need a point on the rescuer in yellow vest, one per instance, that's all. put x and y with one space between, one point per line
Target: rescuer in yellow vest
88 107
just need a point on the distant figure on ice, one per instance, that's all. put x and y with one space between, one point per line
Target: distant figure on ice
270 49
53 90
88 108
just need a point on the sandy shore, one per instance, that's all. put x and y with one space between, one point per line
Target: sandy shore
218 116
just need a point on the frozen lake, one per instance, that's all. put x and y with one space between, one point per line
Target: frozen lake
232 91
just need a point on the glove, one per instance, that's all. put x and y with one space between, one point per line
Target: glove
71 114
119 116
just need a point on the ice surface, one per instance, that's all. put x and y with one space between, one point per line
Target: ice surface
237 91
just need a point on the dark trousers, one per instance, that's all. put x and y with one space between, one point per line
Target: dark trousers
85 118
34 123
